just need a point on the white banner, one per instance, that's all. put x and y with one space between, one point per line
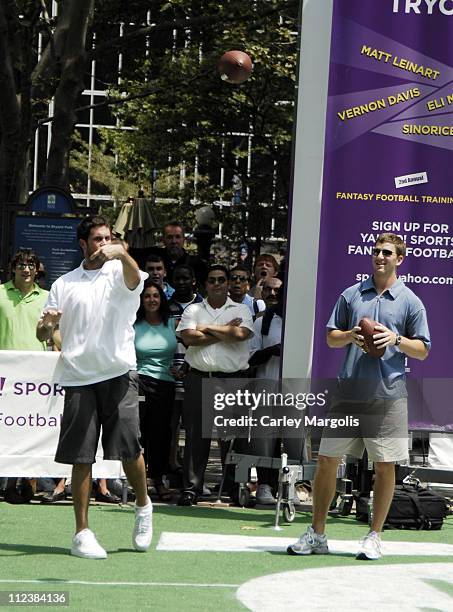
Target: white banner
31 408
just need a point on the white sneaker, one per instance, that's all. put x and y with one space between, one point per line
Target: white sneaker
264 495
309 543
143 528
85 545
370 547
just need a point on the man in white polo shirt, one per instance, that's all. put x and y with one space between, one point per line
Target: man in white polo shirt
215 330
95 306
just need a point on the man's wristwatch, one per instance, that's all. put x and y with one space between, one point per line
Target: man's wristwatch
398 340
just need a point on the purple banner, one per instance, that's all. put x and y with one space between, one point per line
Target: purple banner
387 167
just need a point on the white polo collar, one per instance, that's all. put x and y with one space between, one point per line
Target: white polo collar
229 302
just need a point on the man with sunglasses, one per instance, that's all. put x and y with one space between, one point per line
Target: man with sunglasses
21 303
374 388
238 288
215 332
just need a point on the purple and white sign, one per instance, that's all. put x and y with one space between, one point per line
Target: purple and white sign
31 408
387 167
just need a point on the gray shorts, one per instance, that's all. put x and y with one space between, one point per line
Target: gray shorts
383 431
112 404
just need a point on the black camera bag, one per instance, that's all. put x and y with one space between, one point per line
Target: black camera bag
412 507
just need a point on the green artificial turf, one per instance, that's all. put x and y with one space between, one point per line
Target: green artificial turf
35 541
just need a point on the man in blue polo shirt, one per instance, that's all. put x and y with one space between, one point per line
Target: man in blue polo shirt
375 387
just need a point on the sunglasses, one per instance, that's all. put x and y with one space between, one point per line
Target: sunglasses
241 279
385 252
22 266
214 280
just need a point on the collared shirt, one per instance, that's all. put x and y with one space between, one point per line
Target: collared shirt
223 356
271 369
398 309
97 323
19 316
254 305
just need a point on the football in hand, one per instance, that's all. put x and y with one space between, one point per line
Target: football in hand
367 330
235 67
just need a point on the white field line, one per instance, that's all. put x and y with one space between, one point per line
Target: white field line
217 585
204 542
391 588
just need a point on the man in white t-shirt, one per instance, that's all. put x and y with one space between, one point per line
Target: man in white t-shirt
94 307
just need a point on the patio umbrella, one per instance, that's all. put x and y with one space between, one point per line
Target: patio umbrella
136 223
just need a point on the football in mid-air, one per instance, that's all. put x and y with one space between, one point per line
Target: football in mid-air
367 330
235 67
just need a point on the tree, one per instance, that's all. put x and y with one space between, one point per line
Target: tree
28 82
187 121
183 114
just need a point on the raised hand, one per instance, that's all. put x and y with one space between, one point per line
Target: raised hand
108 252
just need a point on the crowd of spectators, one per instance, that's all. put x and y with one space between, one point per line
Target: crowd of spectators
195 320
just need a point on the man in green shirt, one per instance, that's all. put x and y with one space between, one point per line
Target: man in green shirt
21 304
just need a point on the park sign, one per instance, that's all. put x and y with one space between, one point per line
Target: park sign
47 225
52 200
385 108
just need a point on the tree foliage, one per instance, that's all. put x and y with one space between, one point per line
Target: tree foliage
188 121
29 80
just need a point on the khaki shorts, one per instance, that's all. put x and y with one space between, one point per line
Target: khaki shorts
383 431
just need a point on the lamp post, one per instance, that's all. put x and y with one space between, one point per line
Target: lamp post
204 231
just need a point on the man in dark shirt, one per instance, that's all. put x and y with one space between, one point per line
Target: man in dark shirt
174 253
